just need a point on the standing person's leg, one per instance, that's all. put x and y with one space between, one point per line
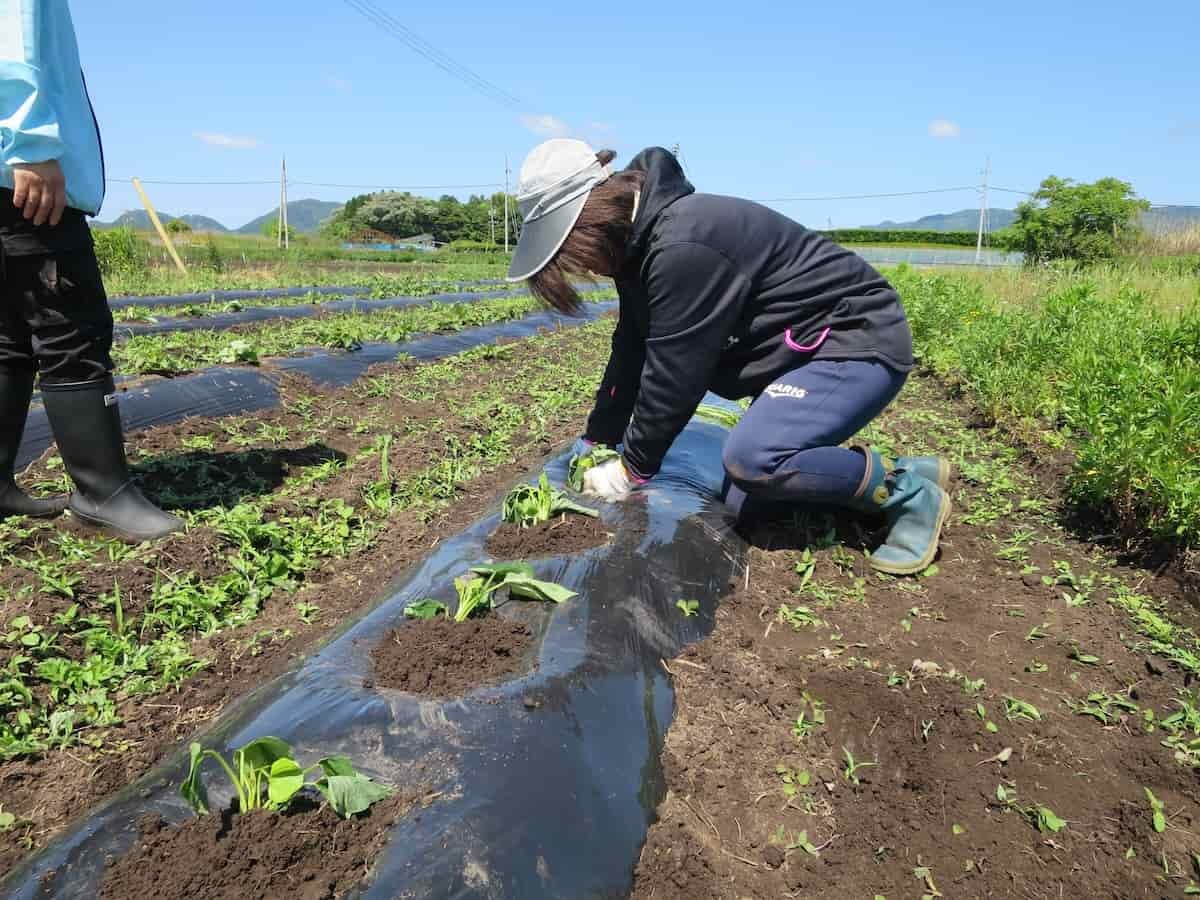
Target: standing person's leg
784 450
67 312
18 368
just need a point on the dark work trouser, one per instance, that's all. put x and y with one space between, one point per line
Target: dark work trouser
54 315
785 448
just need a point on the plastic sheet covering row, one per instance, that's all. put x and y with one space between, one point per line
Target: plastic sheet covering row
227 296
550 779
219 321
230 390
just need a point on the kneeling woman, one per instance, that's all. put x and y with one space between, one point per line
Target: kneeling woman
723 294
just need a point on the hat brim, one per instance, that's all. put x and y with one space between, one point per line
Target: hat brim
543 237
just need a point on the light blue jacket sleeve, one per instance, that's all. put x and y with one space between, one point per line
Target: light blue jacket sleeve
45 112
29 125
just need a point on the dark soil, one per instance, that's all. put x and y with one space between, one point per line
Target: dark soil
900 667
246 459
441 658
569 533
308 854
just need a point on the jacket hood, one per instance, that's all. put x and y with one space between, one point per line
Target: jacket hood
665 183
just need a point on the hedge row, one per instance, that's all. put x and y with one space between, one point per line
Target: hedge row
899 236
1106 370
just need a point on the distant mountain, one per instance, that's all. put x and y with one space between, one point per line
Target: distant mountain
305 216
1159 219
139 220
963 220
1170 218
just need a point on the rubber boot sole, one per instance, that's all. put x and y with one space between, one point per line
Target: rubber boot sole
945 473
925 561
114 530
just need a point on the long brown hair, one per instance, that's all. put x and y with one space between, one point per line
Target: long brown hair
596 245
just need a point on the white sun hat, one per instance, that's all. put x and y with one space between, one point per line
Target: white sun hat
554 184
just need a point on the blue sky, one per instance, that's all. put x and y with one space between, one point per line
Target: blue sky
767 99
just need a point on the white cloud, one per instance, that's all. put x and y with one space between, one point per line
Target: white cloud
231 141
944 128
546 126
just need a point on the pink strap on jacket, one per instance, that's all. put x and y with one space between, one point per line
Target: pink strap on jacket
801 348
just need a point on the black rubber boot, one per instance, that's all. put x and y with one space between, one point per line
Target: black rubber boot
87 428
15 390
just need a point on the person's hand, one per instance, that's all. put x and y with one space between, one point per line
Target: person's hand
609 480
40 190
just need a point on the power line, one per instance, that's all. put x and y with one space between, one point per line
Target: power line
390 25
871 196
197 183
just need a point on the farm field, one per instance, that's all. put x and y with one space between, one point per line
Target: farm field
722 714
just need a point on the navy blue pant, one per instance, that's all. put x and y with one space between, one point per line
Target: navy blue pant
784 449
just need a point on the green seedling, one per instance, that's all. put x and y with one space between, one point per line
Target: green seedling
793 780
1045 820
957 829
265 776
1037 633
806 567
239 351
307 612
809 719
852 766
1015 708
718 415
1104 707
689 608
1157 811
580 464
7 819
1036 668
799 617
1084 658
801 842
924 875
527 505
426 609
476 590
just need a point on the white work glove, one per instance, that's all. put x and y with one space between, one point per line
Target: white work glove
609 480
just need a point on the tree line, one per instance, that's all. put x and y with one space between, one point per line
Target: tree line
479 219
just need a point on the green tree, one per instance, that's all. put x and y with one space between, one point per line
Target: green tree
270 229
1083 222
178 226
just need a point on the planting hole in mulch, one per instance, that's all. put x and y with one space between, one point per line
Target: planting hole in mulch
441 658
560 536
306 853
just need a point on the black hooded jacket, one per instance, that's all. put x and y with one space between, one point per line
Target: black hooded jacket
726 295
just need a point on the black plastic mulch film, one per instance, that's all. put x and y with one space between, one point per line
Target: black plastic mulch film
551 779
229 390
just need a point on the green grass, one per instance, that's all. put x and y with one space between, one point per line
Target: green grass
176 352
1104 362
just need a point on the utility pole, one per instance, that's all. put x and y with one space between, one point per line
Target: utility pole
983 211
506 203
281 219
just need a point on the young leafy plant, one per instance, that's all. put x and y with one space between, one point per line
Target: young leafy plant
527 505
425 609
581 463
1157 811
265 776
689 608
476 589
